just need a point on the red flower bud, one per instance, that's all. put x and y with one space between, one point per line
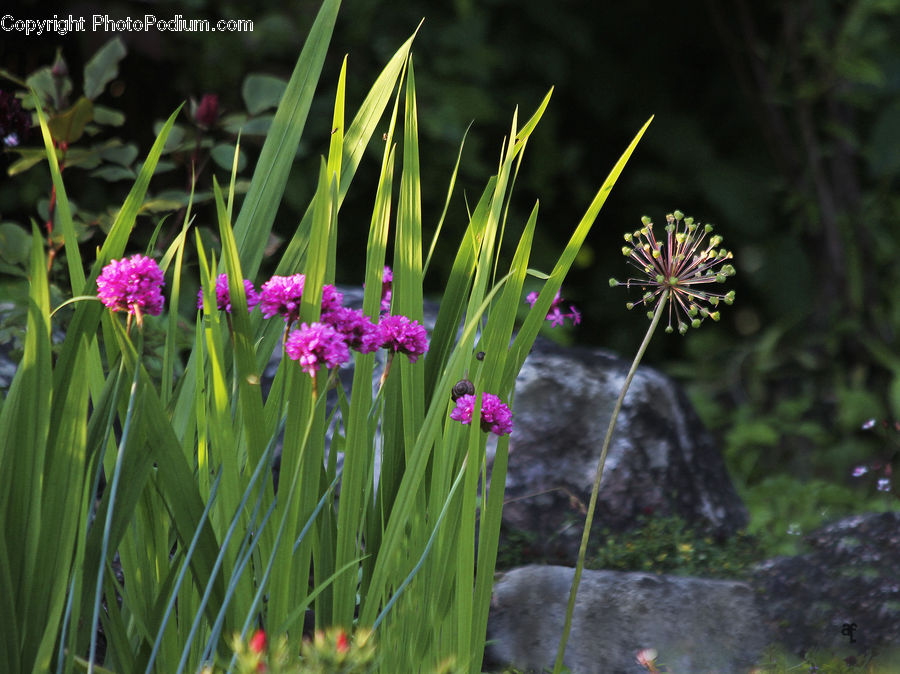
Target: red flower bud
208 111
258 641
342 644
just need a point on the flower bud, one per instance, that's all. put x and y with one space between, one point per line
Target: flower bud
729 297
613 283
646 220
678 215
208 111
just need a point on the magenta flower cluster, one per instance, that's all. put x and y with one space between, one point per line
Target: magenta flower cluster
556 315
342 327
387 281
132 284
400 334
496 417
223 297
316 345
282 295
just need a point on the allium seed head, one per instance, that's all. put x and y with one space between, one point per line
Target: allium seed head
684 263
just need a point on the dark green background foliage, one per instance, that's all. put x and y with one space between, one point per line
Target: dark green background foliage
778 122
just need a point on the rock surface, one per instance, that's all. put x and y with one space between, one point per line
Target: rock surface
661 460
851 576
695 625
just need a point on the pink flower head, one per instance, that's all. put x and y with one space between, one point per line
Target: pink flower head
331 298
223 298
132 284
282 295
387 280
317 344
647 658
399 333
556 315
358 330
496 417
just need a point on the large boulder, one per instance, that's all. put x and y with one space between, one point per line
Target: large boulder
661 461
695 625
847 587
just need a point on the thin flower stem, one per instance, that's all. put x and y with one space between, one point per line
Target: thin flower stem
579 565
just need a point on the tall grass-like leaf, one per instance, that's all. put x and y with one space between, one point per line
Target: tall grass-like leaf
63 495
63 209
303 452
532 325
251 231
24 431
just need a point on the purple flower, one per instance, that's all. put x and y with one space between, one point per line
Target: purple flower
884 484
399 333
132 284
223 298
387 280
357 329
495 415
317 344
859 471
15 123
282 295
331 298
556 315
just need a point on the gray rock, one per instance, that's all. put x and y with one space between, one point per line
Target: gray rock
696 625
661 460
851 576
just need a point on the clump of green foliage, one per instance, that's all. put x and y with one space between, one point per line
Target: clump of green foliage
670 545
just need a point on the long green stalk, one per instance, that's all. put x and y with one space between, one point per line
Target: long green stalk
579 565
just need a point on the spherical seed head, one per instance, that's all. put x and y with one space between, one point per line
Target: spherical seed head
681 265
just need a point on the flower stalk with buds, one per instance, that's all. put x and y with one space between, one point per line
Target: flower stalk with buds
676 273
